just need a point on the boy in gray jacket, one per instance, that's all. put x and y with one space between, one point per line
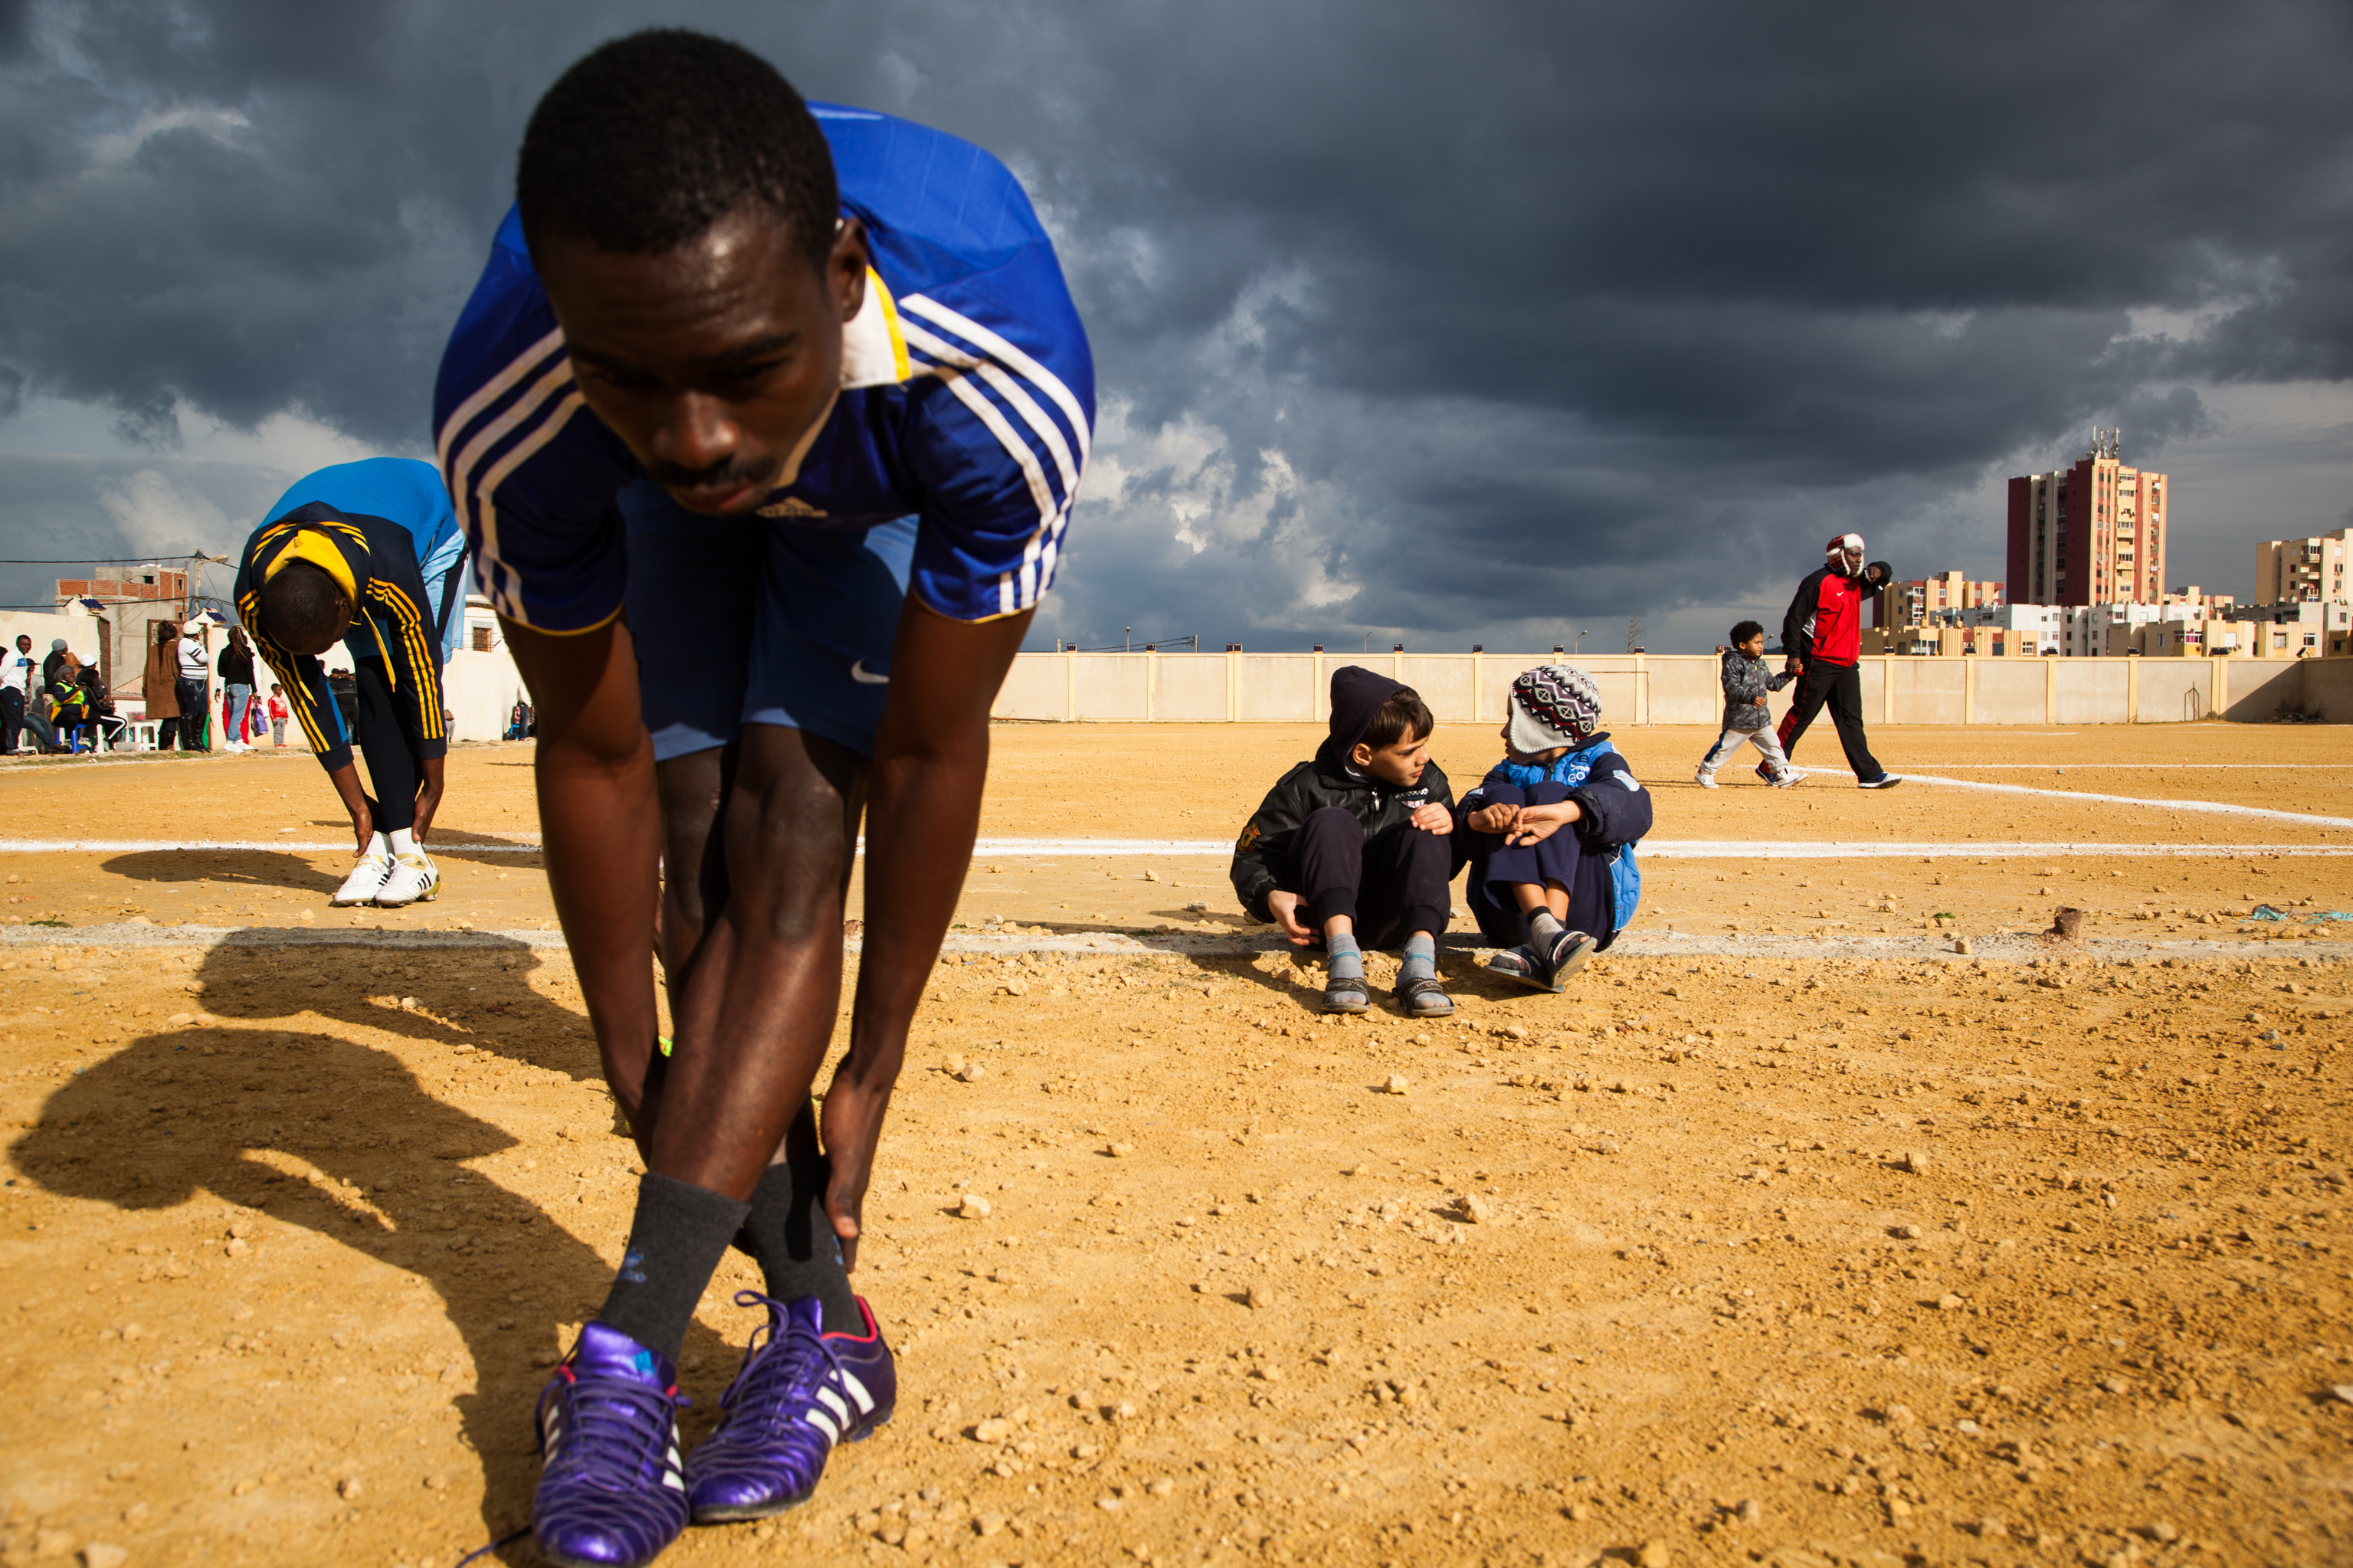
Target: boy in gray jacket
1745 717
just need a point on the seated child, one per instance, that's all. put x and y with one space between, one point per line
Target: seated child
1746 717
1550 897
1356 846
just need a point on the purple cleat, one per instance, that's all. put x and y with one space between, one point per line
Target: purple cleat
610 1492
801 1391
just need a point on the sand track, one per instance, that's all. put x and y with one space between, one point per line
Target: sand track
2034 1255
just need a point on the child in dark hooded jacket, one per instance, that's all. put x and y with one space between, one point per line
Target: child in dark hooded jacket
1548 824
1357 845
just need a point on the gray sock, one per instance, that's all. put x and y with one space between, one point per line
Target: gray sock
1543 930
1347 960
790 1238
676 1241
1420 958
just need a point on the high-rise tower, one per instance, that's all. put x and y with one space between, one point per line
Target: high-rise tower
2092 534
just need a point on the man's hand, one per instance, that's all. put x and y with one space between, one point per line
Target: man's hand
1284 908
1791 666
850 1127
428 797
1496 818
1433 818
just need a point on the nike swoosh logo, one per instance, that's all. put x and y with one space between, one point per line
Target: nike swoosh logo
860 674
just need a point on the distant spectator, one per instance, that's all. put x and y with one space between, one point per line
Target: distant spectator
162 683
346 689
16 678
196 664
278 714
69 703
105 727
57 657
237 675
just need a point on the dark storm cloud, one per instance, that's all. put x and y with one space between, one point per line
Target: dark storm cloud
1637 302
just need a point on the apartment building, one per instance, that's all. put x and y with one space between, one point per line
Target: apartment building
2291 571
1915 602
2091 535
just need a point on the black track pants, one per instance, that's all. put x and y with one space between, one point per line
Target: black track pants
393 766
1841 687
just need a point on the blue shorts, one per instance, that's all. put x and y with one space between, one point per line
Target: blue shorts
760 621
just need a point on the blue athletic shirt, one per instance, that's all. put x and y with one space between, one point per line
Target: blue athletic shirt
408 491
967 400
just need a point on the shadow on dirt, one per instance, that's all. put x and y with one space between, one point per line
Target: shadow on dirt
162 1121
474 993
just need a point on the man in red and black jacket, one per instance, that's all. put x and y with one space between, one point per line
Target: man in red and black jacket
1822 638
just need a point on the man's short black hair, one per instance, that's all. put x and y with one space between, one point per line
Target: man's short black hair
298 610
1743 630
1405 713
649 139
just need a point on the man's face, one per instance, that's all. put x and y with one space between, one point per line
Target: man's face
714 360
24 645
1851 559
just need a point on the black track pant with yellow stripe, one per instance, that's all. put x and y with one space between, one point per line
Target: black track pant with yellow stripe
393 768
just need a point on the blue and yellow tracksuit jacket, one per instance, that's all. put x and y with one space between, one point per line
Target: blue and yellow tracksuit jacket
372 559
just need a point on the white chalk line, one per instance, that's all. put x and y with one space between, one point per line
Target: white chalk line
1144 848
2214 807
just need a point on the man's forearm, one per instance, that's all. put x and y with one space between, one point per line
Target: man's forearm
600 825
601 831
922 814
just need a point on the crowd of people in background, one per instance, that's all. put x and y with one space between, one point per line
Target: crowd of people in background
58 704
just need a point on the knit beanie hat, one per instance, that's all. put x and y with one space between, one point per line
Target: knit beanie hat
1553 705
1356 696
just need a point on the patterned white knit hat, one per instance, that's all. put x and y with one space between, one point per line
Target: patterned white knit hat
1553 705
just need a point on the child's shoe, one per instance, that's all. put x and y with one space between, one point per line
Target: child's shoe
1704 779
1546 971
1346 995
1423 998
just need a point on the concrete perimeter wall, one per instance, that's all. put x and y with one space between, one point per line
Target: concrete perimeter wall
1674 688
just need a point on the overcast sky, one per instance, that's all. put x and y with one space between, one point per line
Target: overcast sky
1439 323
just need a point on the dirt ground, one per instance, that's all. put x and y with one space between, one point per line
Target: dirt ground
1790 1235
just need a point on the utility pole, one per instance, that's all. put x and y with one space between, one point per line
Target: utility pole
1634 633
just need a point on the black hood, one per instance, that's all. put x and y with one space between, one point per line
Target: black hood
1356 695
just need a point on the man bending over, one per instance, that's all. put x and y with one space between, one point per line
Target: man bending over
341 559
784 405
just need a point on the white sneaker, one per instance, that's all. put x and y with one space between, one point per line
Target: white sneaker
368 874
1704 779
412 880
1791 778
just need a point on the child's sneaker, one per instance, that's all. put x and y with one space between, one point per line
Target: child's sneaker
1704 779
1546 971
1792 778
